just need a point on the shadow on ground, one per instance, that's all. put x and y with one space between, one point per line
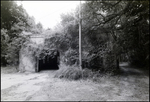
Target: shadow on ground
126 70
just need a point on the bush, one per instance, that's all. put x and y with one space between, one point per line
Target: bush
110 65
71 57
92 61
71 73
87 73
74 73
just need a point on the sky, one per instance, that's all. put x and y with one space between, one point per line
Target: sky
48 12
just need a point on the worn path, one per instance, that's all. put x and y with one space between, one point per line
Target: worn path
43 87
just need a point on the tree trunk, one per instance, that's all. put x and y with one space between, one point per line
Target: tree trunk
117 62
117 65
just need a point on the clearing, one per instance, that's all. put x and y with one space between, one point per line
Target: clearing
42 86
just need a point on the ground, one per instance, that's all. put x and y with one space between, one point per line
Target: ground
43 86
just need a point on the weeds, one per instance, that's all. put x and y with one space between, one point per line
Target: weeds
9 69
75 73
71 73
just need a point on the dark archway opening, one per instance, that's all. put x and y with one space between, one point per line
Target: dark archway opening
49 62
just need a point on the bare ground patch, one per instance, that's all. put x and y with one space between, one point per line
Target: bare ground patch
44 87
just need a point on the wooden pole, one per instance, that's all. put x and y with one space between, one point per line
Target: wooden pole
80 58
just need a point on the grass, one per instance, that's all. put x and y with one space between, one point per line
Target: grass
75 73
101 87
71 73
9 69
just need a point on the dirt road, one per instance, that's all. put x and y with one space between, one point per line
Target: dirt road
43 87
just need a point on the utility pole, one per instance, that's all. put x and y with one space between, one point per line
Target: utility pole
80 21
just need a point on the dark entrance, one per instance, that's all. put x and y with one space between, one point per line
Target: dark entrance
48 61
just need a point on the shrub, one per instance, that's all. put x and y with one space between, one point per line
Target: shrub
71 56
74 73
110 63
87 73
71 73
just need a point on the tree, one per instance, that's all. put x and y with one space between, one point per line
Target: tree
122 19
14 20
109 30
4 41
39 27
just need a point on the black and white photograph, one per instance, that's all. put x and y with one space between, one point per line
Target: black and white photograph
78 50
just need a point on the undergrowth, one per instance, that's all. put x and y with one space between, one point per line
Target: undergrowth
9 69
75 73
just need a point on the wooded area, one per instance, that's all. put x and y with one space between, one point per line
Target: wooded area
112 31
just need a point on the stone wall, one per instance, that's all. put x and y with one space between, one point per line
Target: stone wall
27 61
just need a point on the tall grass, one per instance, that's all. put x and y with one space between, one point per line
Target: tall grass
71 73
9 69
75 73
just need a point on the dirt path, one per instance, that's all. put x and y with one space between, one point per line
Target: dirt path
43 87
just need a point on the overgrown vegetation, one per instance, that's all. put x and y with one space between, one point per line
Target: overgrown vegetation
71 73
14 22
75 73
111 31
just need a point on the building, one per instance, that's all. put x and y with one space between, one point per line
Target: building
34 56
